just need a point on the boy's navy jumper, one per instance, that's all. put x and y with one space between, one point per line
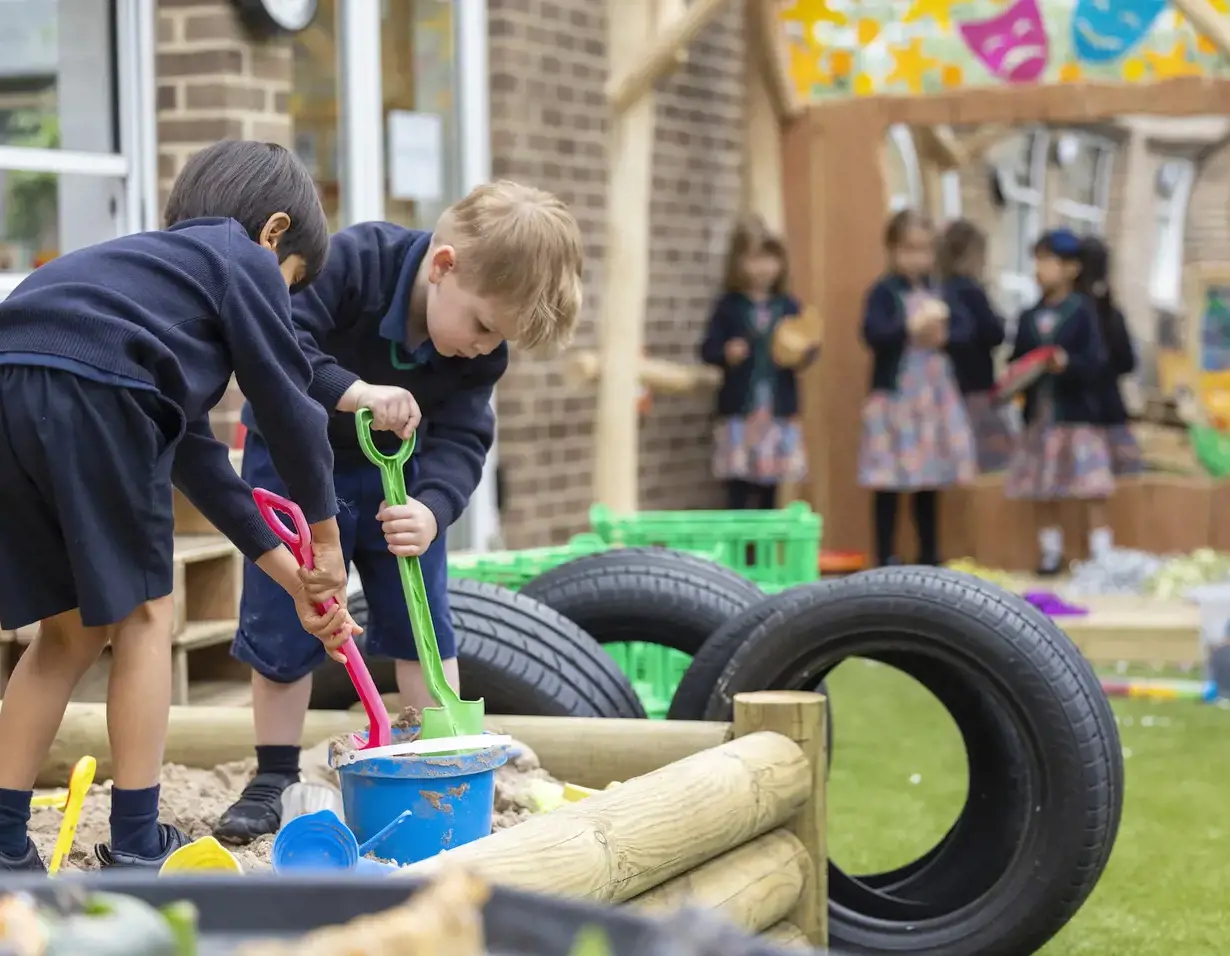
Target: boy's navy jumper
974 330
353 324
1072 325
111 358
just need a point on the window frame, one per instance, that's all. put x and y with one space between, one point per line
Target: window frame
1170 229
1093 217
1026 203
902 140
134 163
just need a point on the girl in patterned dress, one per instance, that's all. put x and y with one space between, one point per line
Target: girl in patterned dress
1063 453
1125 454
975 330
916 436
758 441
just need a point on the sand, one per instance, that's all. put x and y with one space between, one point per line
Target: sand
194 799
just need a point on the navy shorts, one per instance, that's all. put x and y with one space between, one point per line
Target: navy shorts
270 637
86 507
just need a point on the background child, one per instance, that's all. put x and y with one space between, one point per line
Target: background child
1125 455
916 436
1062 452
105 353
397 311
975 329
757 442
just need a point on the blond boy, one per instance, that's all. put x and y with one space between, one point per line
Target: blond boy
405 323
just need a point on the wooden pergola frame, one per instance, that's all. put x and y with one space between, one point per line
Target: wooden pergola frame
647 40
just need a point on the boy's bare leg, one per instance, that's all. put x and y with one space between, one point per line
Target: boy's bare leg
139 693
38 691
412 692
279 710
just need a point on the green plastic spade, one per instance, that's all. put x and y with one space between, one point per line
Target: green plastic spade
454 717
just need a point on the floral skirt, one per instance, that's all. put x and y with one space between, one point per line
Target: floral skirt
1125 454
1056 460
919 436
759 448
993 437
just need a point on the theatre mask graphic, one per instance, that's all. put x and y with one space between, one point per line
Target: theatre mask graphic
1013 44
1105 30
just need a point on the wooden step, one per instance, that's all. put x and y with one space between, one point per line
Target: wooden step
188 520
208 580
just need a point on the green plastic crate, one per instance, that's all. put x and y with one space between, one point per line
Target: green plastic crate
514 569
775 549
655 673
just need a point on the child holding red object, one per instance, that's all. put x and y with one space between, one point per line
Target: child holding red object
1063 452
916 435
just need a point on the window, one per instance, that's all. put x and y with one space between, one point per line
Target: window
1085 164
950 195
904 175
1020 175
76 128
1172 188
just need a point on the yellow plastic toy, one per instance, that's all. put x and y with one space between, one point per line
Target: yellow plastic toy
70 802
574 792
990 575
205 854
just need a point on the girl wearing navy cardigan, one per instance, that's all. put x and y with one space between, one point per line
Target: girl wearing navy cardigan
1063 452
975 330
916 435
757 442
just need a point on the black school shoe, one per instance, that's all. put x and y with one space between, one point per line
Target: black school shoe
30 861
172 839
1051 568
258 810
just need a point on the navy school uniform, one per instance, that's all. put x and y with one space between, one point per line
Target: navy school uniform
1125 454
1063 453
975 330
110 359
352 324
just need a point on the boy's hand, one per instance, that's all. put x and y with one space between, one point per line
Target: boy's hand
409 529
333 628
328 578
393 408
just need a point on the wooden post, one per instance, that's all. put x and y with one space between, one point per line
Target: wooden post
762 137
1206 19
800 716
621 334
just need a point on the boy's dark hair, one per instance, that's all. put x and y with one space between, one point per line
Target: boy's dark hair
1061 243
961 240
753 236
902 222
249 181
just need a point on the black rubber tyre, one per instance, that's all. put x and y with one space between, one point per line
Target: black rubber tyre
520 656
650 595
1045 763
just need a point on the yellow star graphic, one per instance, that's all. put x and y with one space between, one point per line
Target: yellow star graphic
811 11
1172 64
910 64
938 10
806 71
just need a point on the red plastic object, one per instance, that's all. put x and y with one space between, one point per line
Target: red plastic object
1024 372
379 734
841 562
241 435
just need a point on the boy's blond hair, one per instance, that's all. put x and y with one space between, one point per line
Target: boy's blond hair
521 248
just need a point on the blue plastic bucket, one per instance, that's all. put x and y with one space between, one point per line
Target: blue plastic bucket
315 841
450 797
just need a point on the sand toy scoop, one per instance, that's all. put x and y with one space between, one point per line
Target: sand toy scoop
454 717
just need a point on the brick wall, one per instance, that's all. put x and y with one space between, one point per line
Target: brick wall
548 67
216 82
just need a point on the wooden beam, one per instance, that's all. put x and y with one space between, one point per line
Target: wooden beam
1206 19
658 375
763 188
977 143
767 45
940 145
630 82
621 334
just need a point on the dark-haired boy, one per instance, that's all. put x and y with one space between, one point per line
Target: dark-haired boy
110 360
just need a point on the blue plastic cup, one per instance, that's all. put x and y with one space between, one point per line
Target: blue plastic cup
315 841
451 799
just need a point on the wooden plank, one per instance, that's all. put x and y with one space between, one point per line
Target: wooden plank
188 519
208 580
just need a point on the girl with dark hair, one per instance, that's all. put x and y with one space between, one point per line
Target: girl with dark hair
1063 452
758 442
1094 283
974 332
916 436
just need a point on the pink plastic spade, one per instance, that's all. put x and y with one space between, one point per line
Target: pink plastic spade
300 543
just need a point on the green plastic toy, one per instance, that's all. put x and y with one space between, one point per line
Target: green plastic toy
454 717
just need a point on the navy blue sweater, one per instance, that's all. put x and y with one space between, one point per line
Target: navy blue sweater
884 329
974 330
1120 361
178 312
734 318
353 324
1075 390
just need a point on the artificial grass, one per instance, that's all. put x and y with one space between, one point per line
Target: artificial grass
898 781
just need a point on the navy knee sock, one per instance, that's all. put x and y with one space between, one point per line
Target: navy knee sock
134 822
277 758
14 821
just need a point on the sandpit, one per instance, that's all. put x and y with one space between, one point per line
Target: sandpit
194 799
